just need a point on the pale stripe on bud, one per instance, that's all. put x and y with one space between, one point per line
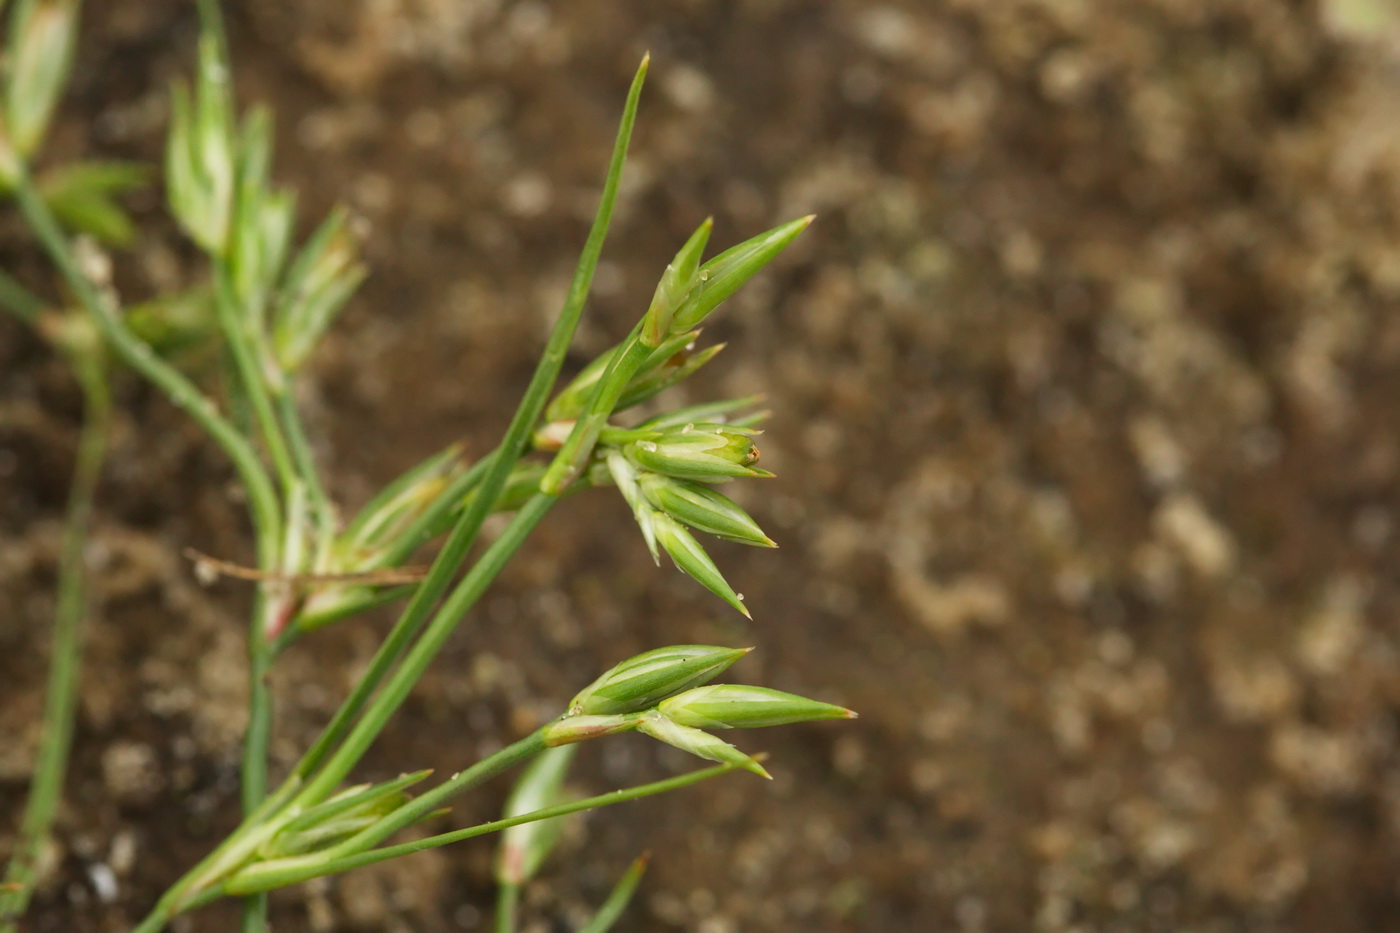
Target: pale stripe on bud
645 679
698 743
740 706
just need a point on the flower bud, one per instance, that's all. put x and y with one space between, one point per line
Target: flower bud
698 743
390 514
318 284
676 282
525 847
678 367
722 276
42 34
642 681
580 728
200 156
624 476
342 816
691 559
660 364
702 509
705 453
708 412
739 706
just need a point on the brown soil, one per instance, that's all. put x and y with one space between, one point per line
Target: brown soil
1086 385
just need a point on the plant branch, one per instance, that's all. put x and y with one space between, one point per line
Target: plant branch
464 534
282 872
138 355
60 701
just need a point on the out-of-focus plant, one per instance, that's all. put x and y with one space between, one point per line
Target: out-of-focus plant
267 302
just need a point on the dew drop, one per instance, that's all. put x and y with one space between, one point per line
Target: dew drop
740 596
648 446
704 275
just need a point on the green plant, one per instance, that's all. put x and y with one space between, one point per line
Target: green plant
270 301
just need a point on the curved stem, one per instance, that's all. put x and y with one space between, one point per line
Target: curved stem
60 701
136 354
253 381
305 462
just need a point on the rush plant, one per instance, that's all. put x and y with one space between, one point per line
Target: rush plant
267 301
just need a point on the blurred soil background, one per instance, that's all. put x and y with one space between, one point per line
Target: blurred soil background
1087 385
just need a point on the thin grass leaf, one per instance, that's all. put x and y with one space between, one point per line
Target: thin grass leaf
619 898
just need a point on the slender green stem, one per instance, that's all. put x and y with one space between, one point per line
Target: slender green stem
424 804
416 661
507 907
60 702
255 741
233 322
569 461
211 23
306 463
464 534
279 873
362 601
19 300
136 354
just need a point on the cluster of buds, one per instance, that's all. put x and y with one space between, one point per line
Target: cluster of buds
218 180
662 694
662 476
663 467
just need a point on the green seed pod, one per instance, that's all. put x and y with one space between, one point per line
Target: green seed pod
40 53
687 554
705 453
525 847
318 284
340 817
698 743
392 512
739 706
580 728
722 276
83 195
200 157
624 476
678 368
672 354
643 680
676 282
706 412
703 509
